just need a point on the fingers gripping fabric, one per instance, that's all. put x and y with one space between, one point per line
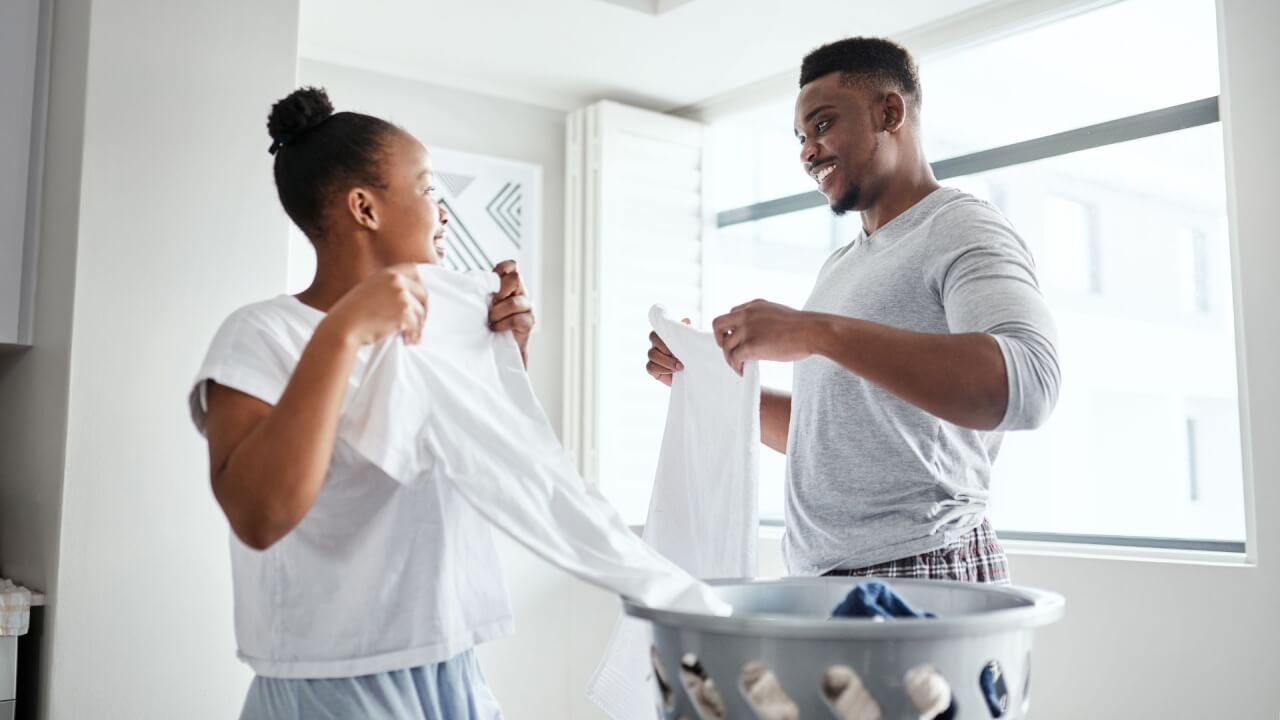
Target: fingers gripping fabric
458 408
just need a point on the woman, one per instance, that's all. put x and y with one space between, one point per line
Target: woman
355 596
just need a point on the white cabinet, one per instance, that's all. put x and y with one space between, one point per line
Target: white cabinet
24 69
8 671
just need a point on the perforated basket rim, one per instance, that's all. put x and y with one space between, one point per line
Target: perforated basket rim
1038 608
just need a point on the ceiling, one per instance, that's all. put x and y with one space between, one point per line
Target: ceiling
567 53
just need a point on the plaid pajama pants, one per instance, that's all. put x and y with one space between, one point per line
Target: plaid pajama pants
976 557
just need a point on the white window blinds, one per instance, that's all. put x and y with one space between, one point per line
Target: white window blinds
633 224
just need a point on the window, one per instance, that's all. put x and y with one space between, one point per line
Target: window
1121 60
1107 156
1069 255
1192 247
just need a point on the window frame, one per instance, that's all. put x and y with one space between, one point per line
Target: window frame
1134 127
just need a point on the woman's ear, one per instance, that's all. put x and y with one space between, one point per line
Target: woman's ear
363 208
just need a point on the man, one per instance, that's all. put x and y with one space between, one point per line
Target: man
923 340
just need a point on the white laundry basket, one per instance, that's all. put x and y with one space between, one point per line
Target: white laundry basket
786 624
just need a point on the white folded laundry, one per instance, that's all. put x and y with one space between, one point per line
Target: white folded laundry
15 608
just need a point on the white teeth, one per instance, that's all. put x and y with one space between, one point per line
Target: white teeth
824 172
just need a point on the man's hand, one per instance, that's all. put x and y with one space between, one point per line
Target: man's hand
761 330
662 364
511 309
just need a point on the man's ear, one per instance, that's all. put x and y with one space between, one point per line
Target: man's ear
363 208
895 112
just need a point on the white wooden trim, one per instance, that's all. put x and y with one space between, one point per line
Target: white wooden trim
1232 152
571 381
597 209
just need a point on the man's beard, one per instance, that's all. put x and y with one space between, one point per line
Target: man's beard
847 201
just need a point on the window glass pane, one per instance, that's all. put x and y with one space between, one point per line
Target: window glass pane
754 156
1116 61
1068 261
775 259
1193 265
1145 440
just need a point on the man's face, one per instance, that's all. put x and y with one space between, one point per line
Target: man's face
839 128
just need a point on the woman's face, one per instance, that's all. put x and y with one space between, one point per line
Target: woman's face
412 222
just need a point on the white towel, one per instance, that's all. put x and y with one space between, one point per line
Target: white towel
704 510
15 609
458 408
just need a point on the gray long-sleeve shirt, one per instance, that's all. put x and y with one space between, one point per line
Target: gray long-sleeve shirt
871 477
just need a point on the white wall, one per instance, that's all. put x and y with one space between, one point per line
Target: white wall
160 219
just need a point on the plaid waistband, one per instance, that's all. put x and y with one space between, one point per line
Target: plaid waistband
975 557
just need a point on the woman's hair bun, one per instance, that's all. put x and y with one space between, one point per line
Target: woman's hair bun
296 113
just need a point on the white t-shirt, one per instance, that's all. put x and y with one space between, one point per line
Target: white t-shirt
378 575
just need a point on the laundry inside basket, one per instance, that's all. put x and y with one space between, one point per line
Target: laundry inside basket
876 600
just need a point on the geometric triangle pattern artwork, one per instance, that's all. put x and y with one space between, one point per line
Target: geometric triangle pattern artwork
504 208
457 183
462 250
493 207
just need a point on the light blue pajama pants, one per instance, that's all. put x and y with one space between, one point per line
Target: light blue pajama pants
452 690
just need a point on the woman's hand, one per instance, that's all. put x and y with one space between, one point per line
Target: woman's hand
511 309
389 301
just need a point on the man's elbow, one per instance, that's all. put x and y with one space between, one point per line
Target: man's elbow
1032 380
988 411
1030 413
1034 419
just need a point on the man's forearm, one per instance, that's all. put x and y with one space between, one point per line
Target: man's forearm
959 378
775 418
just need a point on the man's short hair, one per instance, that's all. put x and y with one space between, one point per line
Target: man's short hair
884 64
